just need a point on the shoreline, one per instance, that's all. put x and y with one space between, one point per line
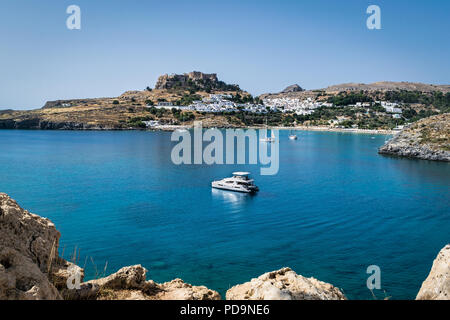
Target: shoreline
171 128
328 129
298 128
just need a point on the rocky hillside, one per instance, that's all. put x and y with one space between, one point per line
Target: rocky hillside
388 86
376 89
126 111
427 139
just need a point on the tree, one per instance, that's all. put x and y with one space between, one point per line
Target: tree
409 113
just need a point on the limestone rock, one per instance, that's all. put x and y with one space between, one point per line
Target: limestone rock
427 139
62 271
179 290
28 252
126 278
87 291
129 283
284 284
27 233
21 278
437 284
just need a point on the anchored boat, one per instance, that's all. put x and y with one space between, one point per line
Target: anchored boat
239 182
268 139
292 136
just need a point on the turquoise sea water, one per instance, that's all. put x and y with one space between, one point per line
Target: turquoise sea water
334 208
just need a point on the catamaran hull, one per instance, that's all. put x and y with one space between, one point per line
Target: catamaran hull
233 189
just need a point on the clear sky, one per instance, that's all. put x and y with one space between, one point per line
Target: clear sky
261 45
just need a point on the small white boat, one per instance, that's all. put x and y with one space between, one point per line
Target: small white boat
292 136
240 182
268 139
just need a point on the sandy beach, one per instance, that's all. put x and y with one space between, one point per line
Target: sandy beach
298 128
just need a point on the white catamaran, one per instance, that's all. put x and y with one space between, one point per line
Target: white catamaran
240 182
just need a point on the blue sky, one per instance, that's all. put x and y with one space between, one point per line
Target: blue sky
261 45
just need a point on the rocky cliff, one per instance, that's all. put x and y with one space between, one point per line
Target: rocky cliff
28 246
184 80
427 139
437 284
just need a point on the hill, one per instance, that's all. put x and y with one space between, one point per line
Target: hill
389 86
126 111
340 106
372 88
427 139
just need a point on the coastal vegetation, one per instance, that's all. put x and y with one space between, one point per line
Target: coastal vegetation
345 99
437 99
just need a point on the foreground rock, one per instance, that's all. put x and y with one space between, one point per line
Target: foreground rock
30 268
284 284
129 283
28 246
427 139
21 278
437 285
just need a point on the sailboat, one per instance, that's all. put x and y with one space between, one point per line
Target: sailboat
292 136
268 139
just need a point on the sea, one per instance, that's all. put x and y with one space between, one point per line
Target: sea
334 209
